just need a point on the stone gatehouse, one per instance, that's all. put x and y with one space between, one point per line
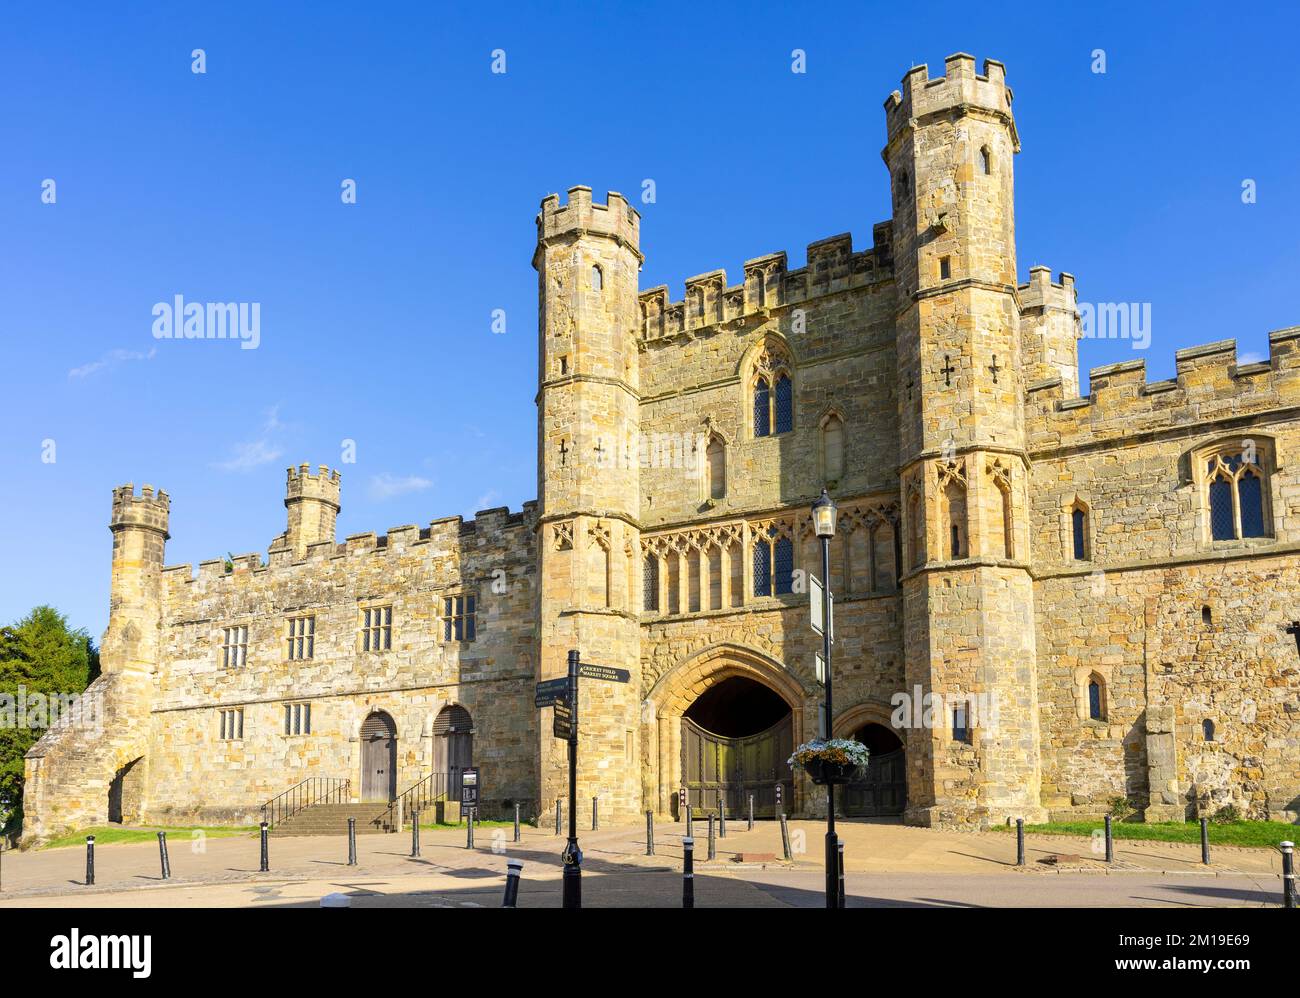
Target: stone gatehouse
1043 601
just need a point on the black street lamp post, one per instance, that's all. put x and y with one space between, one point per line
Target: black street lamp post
823 514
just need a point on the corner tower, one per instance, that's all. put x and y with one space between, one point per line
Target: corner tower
968 595
589 542
313 507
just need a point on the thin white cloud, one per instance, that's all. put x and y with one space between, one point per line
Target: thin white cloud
487 500
263 449
1251 357
110 359
387 485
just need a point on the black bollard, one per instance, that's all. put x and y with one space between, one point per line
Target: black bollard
1020 842
722 817
90 861
751 813
513 869
649 833
469 829
266 850
839 848
415 832
557 816
1110 845
162 856
785 836
713 853
1288 875
690 822
595 814
516 822
1205 841
352 842
688 872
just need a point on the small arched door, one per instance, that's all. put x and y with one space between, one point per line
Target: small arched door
378 758
453 746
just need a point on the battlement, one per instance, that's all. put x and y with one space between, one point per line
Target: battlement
324 486
616 219
710 303
1042 293
1209 385
149 510
960 87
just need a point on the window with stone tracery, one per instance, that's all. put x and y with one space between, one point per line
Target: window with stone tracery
1234 482
772 391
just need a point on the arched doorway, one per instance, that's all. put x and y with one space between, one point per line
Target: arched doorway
378 757
736 742
453 746
125 793
881 791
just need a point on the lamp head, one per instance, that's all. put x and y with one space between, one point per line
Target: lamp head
823 514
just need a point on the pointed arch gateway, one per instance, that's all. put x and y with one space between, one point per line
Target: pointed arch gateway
722 725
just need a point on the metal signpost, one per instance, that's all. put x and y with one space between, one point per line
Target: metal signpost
562 696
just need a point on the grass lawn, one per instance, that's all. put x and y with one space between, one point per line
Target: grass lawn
108 835
1261 834
481 823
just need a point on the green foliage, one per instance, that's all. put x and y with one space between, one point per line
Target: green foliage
1226 815
40 654
1121 808
115 834
1258 834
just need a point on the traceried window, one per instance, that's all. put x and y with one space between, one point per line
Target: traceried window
377 628
458 618
650 582
234 647
302 637
297 719
773 392
773 565
232 724
1235 492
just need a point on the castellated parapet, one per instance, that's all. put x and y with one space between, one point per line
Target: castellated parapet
1050 329
960 87
616 219
148 510
312 502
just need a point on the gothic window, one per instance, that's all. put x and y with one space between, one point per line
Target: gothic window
1096 698
1207 730
1235 491
597 278
650 582
762 408
773 564
954 496
1079 531
833 448
459 618
716 457
784 404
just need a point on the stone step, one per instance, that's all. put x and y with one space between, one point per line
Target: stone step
332 819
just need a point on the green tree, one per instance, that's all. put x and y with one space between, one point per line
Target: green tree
40 654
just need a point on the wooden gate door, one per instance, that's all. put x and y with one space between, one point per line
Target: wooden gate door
378 758
882 790
716 768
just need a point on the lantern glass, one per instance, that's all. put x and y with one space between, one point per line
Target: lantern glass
824 512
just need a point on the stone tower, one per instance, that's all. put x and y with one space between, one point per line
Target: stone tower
587 260
968 594
313 505
92 766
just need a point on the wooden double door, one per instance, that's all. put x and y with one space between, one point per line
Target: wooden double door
718 769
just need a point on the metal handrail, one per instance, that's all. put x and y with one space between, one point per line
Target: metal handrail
427 791
300 796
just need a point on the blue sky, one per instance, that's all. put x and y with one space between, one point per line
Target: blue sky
375 317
